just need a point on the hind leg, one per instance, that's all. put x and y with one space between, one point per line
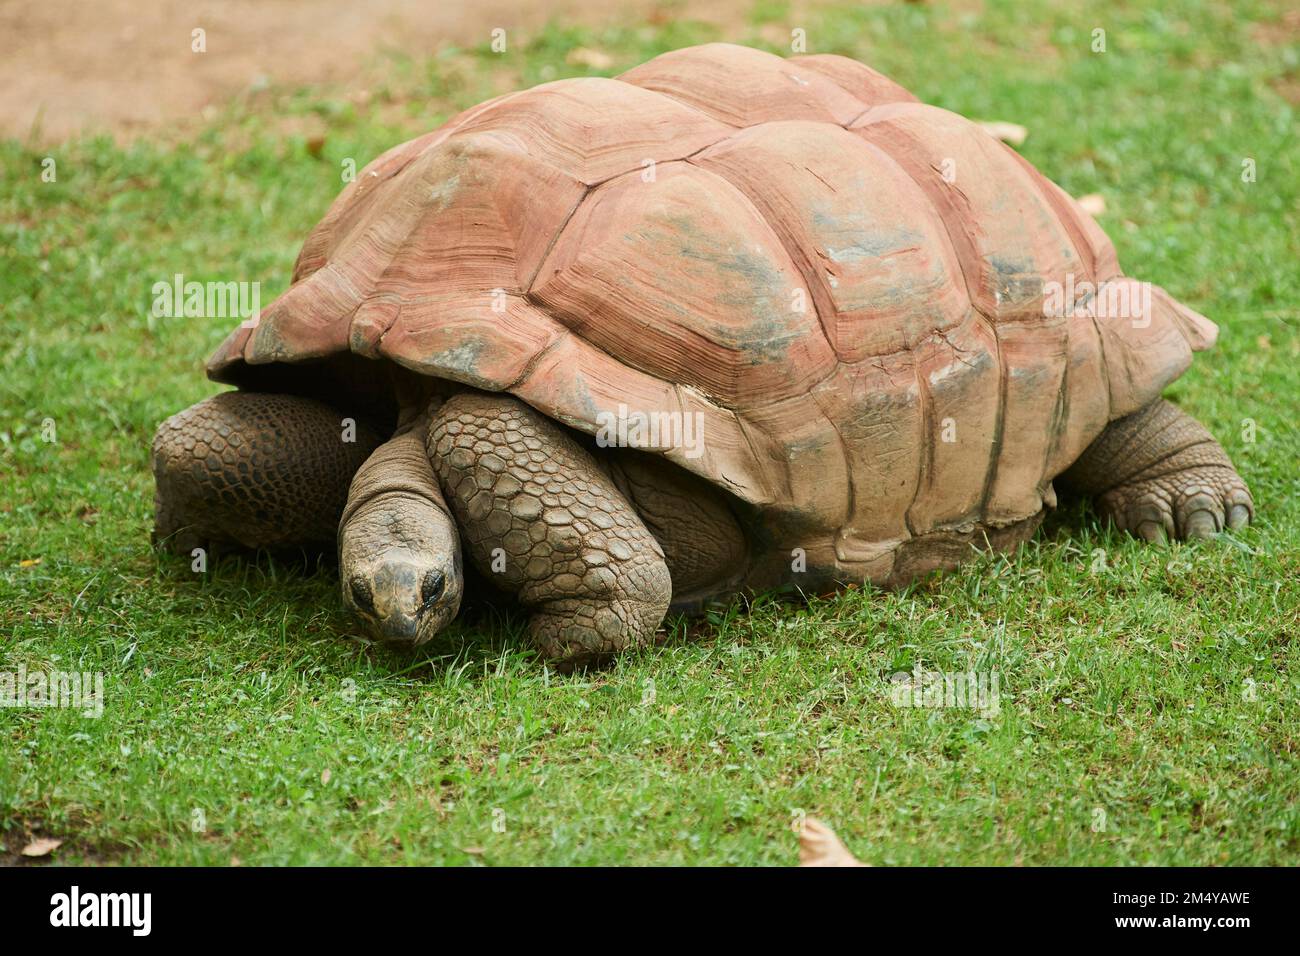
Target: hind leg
253 470
1159 474
702 542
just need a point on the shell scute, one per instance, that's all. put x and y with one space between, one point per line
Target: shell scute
742 87
681 277
875 406
1033 358
580 126
1007 237
868 86
872 251
452 338
960 403
366 190
435 267
582 386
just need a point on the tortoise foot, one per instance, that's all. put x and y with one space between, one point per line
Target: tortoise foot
1159 474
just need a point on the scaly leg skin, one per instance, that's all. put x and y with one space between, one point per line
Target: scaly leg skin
253 470
542 519
1159 474
701 539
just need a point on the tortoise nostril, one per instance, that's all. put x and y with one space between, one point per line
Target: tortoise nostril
400 629
362 596
432 588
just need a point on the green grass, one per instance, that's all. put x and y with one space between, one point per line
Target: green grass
1160 688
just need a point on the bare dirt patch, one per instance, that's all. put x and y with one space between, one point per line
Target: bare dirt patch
126 67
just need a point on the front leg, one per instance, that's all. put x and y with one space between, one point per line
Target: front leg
255 470
539 517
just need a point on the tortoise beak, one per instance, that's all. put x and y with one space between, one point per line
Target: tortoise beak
398 628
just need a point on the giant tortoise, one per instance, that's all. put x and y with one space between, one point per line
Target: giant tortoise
729 322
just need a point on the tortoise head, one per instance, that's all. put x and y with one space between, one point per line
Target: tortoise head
404 596
399 551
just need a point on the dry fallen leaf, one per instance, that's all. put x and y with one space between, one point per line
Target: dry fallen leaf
472 850
819 846
29 562
42 846
1011 133
1094 204
325 775
594 59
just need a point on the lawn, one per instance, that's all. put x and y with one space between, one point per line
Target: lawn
1148 694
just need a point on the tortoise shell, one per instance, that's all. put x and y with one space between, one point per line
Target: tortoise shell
845 285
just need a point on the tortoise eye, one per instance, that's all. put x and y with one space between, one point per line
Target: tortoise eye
362 596
434 585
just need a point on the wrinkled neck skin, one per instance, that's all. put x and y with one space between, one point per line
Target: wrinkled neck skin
399 549
418 399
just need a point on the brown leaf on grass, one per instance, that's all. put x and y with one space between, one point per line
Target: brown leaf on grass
1094 204
593 59
325 775
29 562
472 850
1013 134
42 846
819 846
